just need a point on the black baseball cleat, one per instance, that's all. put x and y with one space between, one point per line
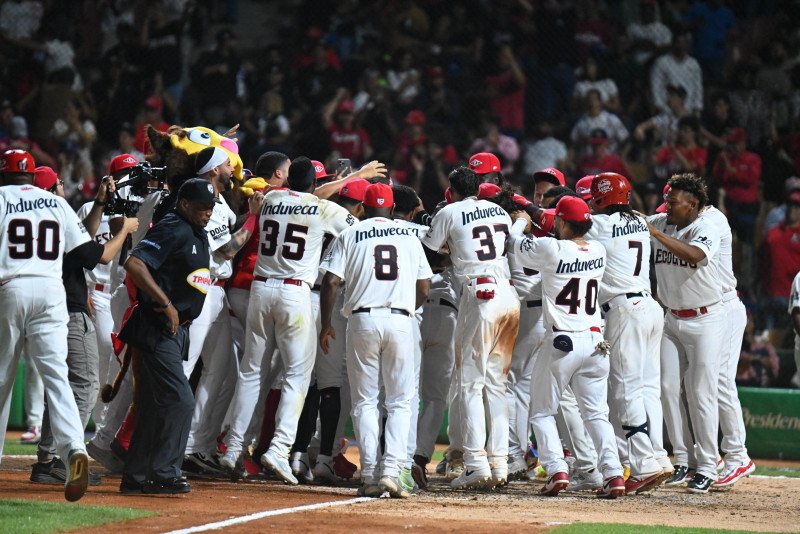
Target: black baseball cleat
699 484
166 487
678 476
129 486
55 472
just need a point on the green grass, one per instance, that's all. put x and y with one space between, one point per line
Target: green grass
613 528
38 517
15 448
777 471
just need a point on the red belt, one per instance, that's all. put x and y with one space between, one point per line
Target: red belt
289 281
488 280
591 328
100 287
220 283
688 314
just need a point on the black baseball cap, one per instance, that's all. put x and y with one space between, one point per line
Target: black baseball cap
197 190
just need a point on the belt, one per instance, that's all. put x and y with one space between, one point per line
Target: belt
688 314
102 287
220 283
591 328
288 281
488 280
730 295
398 311
534 304
606 307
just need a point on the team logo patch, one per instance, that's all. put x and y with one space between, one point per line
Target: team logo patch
583 191
586 216
319 168
380 202
200 280
475 163
604 186
210 189
23 164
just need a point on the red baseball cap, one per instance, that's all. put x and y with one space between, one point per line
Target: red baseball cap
346 106
484 163
154 103
355 189
573 209
121 162
794 198
550 174
736 135
448 196
544 226
488 190
17 161
319 170
663 207
521 201
379 195
45 178
415 118
584 187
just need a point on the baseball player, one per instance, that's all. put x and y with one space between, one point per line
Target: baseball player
544 180
571 269
292 225
387 278
737 462
474 233
487 166
36 229
583 188
794 312
634 323
694 329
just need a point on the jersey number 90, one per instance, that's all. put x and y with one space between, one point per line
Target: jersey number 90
21 238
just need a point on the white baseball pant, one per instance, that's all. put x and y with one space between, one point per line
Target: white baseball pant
34 319
279 315
518 387
438 353
34 393
695 344
411 444
378 347
633 328
103 326
586 370
486 331
574 436
731 422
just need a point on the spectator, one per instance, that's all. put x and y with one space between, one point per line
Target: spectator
596 118
75 135
677 68
410 138
441 105
503 146
344 136
738 171
507 93
126 142
21 19
758 362
215 77
711 23
683 155
19 139
161 35
778 214
780 257
557 58
751 106
404 80
430 169
664 126
591 77
649 37
717 122
151 115
601 159
543 151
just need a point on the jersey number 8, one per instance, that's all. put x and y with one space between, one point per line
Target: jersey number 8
385 262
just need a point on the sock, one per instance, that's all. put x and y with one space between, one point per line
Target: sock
329 408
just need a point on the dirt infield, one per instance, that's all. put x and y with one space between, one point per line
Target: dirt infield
758 504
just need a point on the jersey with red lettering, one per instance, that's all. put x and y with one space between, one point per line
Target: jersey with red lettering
380 262
474 231
292 226
36 229
627 243
571 275
683 285
725 256
219 233
101 274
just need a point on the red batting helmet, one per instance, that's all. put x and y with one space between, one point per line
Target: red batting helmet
610 188
584 187
17 161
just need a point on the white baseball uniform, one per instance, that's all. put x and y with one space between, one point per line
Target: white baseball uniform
210 338
694 331
634 325
794 302
292 226
730 409
36 229
380 261
571 275
474 231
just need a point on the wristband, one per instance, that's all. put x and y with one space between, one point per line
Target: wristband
250 223
165 306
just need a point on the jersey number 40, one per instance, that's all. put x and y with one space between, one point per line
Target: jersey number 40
569 296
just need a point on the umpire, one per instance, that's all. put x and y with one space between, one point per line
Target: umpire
170 268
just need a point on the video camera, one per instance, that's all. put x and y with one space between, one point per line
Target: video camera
141 174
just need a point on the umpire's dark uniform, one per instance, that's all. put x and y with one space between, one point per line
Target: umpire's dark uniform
176 254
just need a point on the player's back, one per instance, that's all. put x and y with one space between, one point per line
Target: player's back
627 243
382 263
292 226
36 229
475 232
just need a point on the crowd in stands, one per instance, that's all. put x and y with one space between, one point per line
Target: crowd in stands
646 88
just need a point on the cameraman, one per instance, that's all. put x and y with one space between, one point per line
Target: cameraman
170 268
82 351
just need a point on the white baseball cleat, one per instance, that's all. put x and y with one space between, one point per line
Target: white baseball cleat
228 460
586 480
300 467
517 469
279 465
324 471
393 486
473 479
730 476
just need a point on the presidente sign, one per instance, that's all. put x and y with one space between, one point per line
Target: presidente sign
772 419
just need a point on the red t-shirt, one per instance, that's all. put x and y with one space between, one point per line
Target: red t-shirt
608 163
741 183
698 156
783 254
349 143
509 100
243 269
